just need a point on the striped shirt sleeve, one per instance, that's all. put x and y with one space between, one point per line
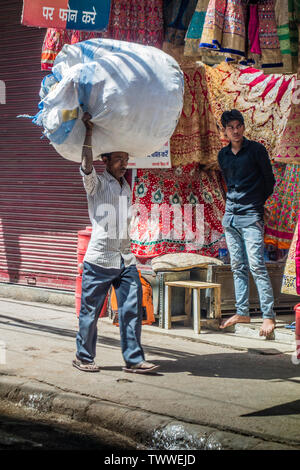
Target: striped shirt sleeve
90 181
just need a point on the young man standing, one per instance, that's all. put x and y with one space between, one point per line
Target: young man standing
109 261
250 181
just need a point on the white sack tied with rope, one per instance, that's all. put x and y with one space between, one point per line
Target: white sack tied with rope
134 94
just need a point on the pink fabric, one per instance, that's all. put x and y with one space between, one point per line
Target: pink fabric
253 32
297 258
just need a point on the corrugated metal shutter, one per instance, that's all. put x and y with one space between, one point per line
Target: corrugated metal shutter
42 201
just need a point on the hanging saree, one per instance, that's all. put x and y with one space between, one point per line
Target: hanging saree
224 28
287 34
196 137
195 29
182 190
271 58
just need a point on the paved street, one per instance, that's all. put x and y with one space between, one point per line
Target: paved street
223 396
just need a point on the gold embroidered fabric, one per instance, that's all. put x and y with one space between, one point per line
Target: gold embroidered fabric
196 137
264 100
289 276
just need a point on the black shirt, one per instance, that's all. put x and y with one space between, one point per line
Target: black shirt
250 181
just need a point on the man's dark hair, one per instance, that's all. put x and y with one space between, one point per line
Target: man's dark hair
108 155
233 115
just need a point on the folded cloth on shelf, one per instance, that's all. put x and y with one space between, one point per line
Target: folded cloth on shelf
182 261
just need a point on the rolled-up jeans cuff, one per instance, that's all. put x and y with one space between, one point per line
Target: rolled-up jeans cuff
271 316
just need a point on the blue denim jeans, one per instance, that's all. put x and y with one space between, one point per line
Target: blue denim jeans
96 282
246 249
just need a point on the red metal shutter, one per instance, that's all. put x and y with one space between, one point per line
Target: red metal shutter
42 200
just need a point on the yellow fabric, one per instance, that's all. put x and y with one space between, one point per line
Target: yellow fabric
69 114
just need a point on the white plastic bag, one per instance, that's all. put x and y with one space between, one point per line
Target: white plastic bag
133 92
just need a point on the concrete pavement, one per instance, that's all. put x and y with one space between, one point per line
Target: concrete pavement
213 391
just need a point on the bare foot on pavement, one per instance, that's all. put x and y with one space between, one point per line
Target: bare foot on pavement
267 327
233 320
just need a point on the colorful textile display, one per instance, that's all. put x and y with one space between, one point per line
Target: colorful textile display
196 137
297 258
289 147
177 16
254 49
264 100
284 207
271 58
181 189
195 29
287 33
53 43
289 275
139 21
224 27
241 32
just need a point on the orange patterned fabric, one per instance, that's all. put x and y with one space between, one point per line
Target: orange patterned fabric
196 137
147 303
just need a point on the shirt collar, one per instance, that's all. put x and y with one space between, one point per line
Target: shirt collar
244 144
110 178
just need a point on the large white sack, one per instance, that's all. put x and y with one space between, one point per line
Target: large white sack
133 92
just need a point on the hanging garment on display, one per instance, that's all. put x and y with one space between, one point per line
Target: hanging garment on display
287 34
264 100
181 190
289 144
254 49
177 16
289 148
139 21
271 58
53 43
224 28
283 205
195 29
196 137
242 31
289 275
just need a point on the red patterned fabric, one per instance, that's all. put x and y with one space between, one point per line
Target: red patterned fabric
177 188
54 41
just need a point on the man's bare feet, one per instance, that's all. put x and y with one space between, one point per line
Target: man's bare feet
234 319
267 327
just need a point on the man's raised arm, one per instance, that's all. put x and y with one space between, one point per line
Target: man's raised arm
87 152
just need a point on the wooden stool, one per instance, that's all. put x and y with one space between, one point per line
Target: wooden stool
190 286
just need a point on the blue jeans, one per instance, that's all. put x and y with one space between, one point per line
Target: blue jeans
96 282
246 249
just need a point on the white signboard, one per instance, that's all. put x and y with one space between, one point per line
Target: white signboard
159 159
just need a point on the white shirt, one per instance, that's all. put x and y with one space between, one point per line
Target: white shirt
108 204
